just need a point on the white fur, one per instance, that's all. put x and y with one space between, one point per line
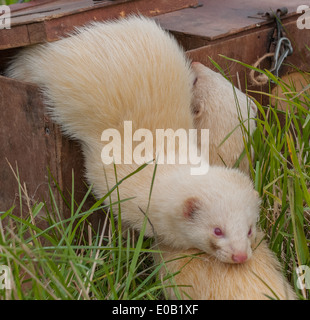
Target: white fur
133 70
220 107
203 277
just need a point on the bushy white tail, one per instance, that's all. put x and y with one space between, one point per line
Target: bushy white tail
109 72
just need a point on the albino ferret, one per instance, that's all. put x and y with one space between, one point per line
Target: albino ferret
219 107
132 70
204 277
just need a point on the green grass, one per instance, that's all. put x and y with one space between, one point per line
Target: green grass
8 2
281 173
282 176
69 259
57 258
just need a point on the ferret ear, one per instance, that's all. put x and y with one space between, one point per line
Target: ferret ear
256 194
190 207
196 109
253 106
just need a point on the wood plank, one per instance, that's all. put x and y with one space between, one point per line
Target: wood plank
214 20
53 20
27 5
53 9
15 37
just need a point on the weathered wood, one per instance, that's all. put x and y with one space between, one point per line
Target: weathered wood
34 145
216 20
50 21
28 5
27 142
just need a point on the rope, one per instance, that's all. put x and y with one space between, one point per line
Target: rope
262 78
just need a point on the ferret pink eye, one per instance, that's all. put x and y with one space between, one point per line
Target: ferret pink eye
195 81
250 232
218 232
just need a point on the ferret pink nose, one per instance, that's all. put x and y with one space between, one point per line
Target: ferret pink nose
195 63
239 257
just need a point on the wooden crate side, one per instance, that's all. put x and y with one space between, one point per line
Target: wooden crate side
27 142
31 142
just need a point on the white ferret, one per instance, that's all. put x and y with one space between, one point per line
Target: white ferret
203 276
132 70
219 107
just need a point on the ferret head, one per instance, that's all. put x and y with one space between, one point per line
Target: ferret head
217 214
224 216
226 111
213 93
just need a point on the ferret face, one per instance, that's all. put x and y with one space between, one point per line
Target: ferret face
222 222
231 242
